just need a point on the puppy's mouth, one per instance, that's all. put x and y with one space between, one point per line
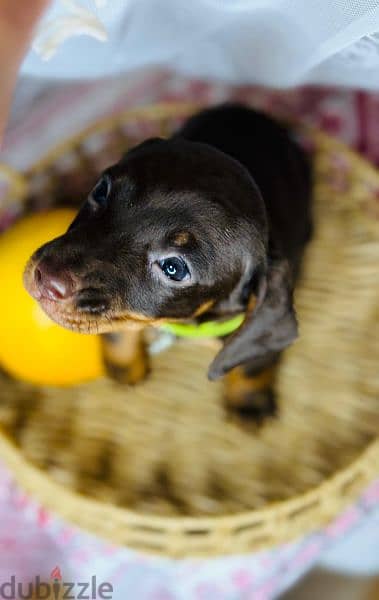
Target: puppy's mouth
83 309
82 316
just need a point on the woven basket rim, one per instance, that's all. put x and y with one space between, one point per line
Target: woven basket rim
163 110
351 480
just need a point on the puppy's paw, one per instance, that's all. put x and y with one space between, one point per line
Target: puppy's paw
129 374
256 407
250 399
125 357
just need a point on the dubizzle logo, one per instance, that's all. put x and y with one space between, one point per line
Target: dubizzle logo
57 589
56 575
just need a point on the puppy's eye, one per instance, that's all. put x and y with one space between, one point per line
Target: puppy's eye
174 268
100 193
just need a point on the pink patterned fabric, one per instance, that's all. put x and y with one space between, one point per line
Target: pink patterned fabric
32 540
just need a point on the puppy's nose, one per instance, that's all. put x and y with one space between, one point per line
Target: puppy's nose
53 283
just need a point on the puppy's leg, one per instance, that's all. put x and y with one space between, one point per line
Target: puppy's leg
125 356
249 391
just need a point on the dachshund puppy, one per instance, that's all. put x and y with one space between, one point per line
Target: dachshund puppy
205 225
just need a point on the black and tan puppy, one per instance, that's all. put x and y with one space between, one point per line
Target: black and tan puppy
203 226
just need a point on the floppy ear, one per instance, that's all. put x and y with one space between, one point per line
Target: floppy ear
269 325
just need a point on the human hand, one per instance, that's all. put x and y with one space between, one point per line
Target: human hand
18 19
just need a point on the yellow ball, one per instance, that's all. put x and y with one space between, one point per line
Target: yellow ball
32 347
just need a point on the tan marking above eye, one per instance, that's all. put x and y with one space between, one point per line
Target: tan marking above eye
181 238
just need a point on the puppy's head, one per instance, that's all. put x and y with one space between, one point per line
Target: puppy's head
170 231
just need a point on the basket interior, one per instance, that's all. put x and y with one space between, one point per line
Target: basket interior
166 447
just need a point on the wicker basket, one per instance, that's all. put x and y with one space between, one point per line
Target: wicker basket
158 467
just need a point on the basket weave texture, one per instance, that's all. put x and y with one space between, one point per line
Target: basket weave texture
158 467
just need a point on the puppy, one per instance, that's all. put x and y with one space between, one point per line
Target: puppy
205 225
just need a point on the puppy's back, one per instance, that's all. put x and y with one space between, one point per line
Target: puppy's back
278 165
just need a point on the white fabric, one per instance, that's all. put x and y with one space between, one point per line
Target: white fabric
270 42
76 21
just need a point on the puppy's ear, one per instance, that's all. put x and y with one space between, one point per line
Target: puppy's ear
269 325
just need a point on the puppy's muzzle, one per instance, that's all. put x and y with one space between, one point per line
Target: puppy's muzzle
53 283
59 290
